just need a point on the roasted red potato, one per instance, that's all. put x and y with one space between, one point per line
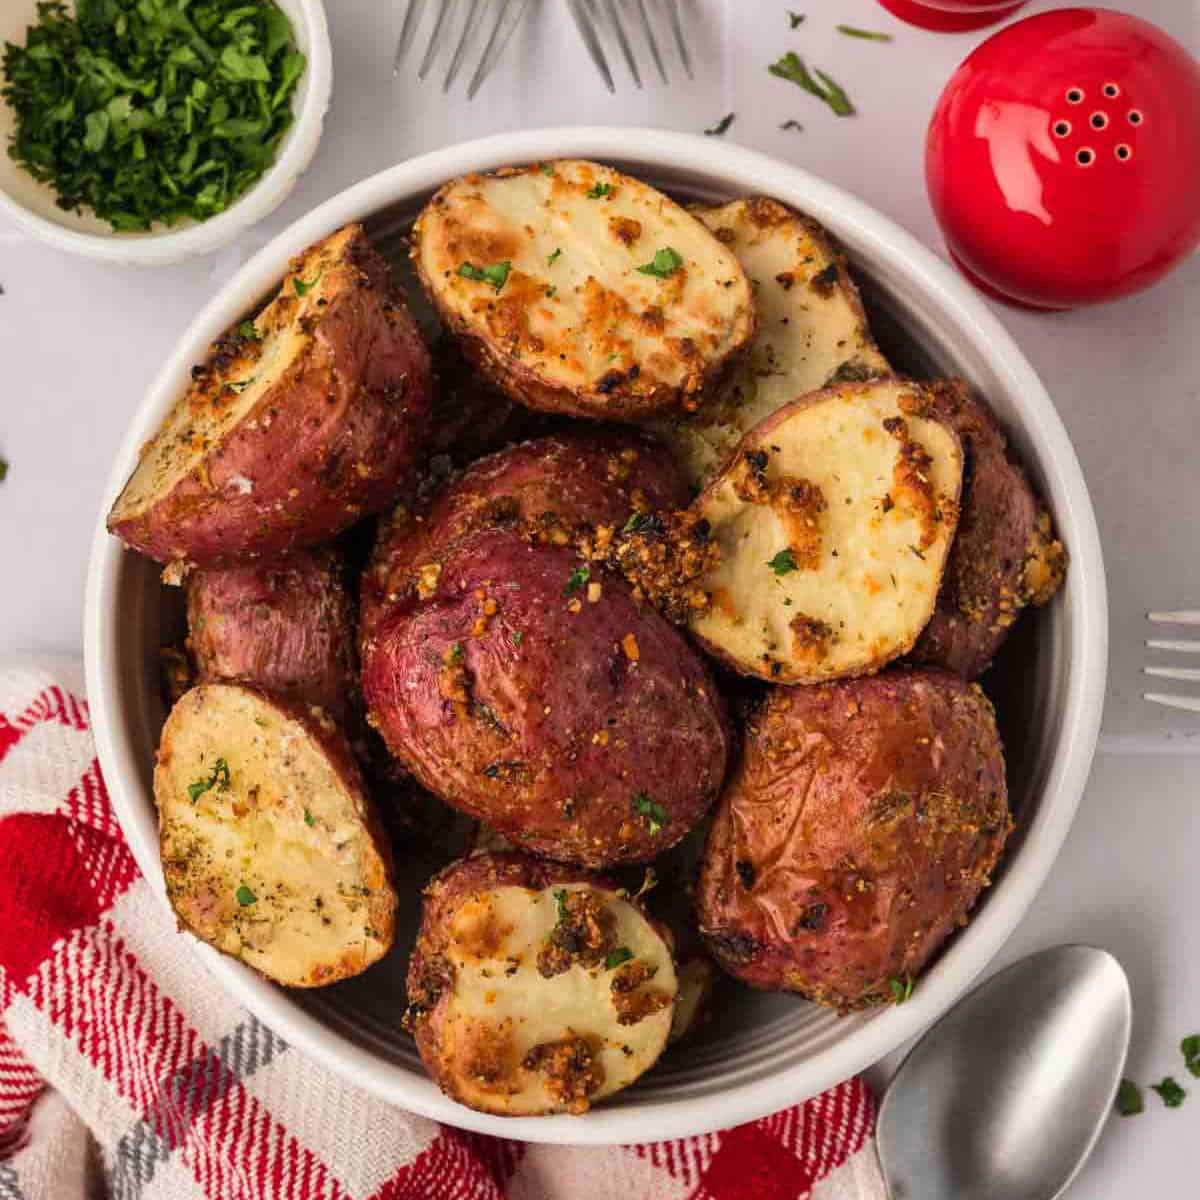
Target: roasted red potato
546 701
858 831
534 988
271 851
302 420
287 626
1005 555
579 290
550 487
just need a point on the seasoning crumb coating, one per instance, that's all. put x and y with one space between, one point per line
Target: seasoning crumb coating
1005 556
501 1032
862 824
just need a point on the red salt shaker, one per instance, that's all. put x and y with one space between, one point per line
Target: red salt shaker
952 16
1063 159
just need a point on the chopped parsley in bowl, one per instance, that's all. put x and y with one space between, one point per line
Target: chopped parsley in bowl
151 112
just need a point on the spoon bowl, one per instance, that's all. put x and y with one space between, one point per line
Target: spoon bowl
1005 1097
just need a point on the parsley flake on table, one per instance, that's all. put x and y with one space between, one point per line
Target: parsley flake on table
1129 1099
218 778
151 111
866 34
622 954
792 125
245 897
664 263
656 816
783 563
791 67
721 126
795 19
598 191
1189 1047
1171 1094
3 469
496 274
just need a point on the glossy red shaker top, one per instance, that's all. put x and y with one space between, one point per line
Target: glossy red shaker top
952 16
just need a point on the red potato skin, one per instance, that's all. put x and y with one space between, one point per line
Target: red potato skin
546 728
332 442
1002 526
556 485
287 626
860 827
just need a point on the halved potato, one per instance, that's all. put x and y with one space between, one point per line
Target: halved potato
581 290
302 420
270 849
535 988
812 331
833 519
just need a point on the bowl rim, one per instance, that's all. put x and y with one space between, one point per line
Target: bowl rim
162 247
1077 708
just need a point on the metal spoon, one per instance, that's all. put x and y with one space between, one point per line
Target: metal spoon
1005 1097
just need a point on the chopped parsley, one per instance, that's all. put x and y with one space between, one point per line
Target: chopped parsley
518 637
247 332
1129 1099
636 521
3 469
598 191
901 989
665 262
309 819
622 954
560 899
1171 1094
791 67
795 126
577 579
496 274
218 778
456 654
304 287
1190 1048
553 258
721 126
546 169
656 816
795 19
151 112
783 563
551 292
866 34
245 896
240 385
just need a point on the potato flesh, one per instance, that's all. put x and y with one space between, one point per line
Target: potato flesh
211 410
491 1000
575 280
806 334
875 583
287 828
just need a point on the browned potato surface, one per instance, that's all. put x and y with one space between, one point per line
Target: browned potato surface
580 290
298 424
287 626
860 827
546 701
1005 555
534 988
812 331
270 849
833 521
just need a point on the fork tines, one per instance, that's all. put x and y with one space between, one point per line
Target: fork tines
507 16
1179 646
594 18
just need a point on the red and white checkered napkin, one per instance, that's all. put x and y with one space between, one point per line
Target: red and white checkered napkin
120 1057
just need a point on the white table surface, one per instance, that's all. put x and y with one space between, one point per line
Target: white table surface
79 343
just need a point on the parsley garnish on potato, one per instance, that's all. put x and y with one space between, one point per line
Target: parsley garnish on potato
665 262
656 816
151 111
901 989
304 286
245 897
621 954
218 778
598 191
784 562
496 274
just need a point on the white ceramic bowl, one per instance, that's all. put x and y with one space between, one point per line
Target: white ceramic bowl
32 204
762 1051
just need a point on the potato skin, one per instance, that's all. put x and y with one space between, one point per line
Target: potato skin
858 831
552 485
1004 556
330 441
546 722
287 626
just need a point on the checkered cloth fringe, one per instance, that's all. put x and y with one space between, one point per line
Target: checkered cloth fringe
125 1071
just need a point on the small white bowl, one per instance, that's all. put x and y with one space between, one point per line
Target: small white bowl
32 205
763 1051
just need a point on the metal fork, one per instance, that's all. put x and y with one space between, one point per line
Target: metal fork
1181 674
593 15
508 14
